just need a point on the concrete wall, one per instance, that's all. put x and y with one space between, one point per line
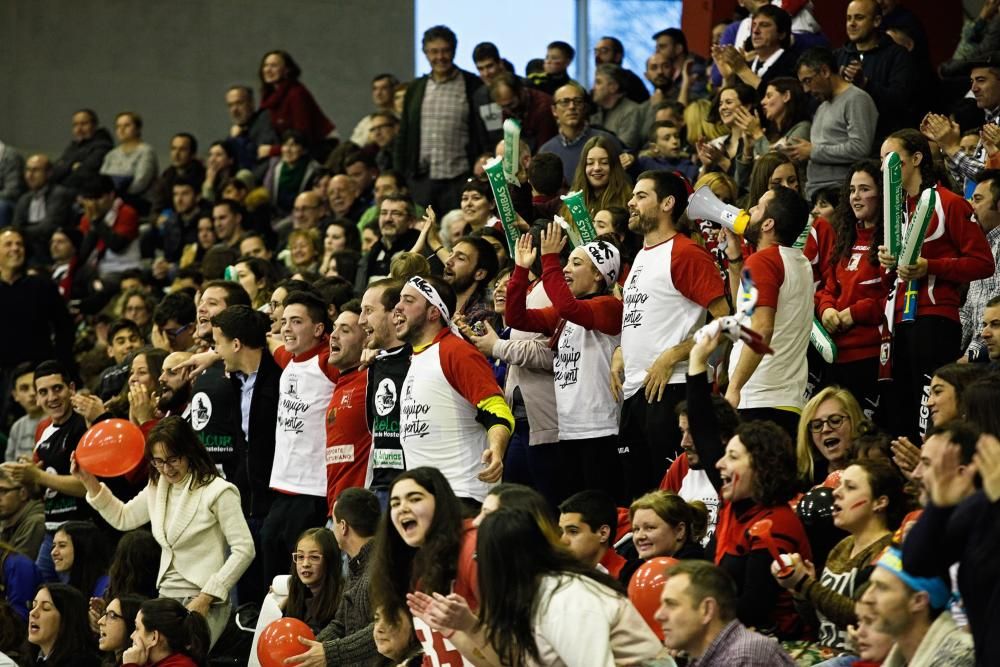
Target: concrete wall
172 61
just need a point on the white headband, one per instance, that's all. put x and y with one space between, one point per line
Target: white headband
606 259
435 300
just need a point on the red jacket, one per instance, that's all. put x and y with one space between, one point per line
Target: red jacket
818 250
292 107
856 284
175 660
957 253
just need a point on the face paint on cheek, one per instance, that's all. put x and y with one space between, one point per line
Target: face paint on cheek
859 504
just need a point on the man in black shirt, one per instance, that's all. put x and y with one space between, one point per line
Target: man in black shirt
62 430
385 380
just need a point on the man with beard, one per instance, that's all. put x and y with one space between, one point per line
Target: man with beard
454 417
215 404
772 387
348 441
672 286
184 166
385 382
471 266
174 391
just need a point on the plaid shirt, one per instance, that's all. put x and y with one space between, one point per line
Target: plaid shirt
980 291
444 127
966 168
737 646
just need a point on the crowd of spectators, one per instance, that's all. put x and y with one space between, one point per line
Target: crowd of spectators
440 438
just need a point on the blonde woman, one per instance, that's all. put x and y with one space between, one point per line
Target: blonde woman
829 425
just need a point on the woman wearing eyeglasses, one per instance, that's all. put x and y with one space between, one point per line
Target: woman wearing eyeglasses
829 424
115 628
58 630
317 579
195 517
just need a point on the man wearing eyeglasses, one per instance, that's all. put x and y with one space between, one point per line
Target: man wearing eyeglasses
395 221
174 323
570 108
22 517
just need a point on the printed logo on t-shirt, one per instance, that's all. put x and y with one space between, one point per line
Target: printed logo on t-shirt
201 411
634 301
292 409
387 458
567 362
339 454
414 414
385 397
853 262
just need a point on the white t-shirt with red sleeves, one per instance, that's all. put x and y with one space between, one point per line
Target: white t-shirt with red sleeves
446 382
784 280
305 388
666 298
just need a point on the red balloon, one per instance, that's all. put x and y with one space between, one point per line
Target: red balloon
280 640
645 587
111 448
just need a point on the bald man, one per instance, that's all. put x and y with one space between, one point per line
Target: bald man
308 210
343 197
44 208
873 62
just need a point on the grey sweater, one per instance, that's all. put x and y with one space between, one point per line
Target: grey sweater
842 133
348 639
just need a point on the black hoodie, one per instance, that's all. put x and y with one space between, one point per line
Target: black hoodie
87 154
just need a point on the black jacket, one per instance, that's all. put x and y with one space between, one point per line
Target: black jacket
890 79
44 329
87 155
58 215
253 474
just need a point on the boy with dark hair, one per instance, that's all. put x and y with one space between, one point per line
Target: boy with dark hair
588 521
21 439
124 337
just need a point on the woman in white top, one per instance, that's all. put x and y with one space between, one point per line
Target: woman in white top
195 517
579 617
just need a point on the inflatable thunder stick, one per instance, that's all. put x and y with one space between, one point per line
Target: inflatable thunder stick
892 203
912 246
580 214
818 336
511 146
570 230
505 205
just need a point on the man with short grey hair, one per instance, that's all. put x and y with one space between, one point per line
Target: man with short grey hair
615 112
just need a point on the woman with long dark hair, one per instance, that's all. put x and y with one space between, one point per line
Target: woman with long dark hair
58 628
316 581
290 104
168 633
850 304
134 565
423 545
195 516
542 606
954 253
600 176
115 627
80 557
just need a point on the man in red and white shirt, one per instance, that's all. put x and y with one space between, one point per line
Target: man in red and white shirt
298 473
673 284
348 440
773 386
453 416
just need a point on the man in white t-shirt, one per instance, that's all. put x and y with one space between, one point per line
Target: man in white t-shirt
672 286
773 386
452 413
298 473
